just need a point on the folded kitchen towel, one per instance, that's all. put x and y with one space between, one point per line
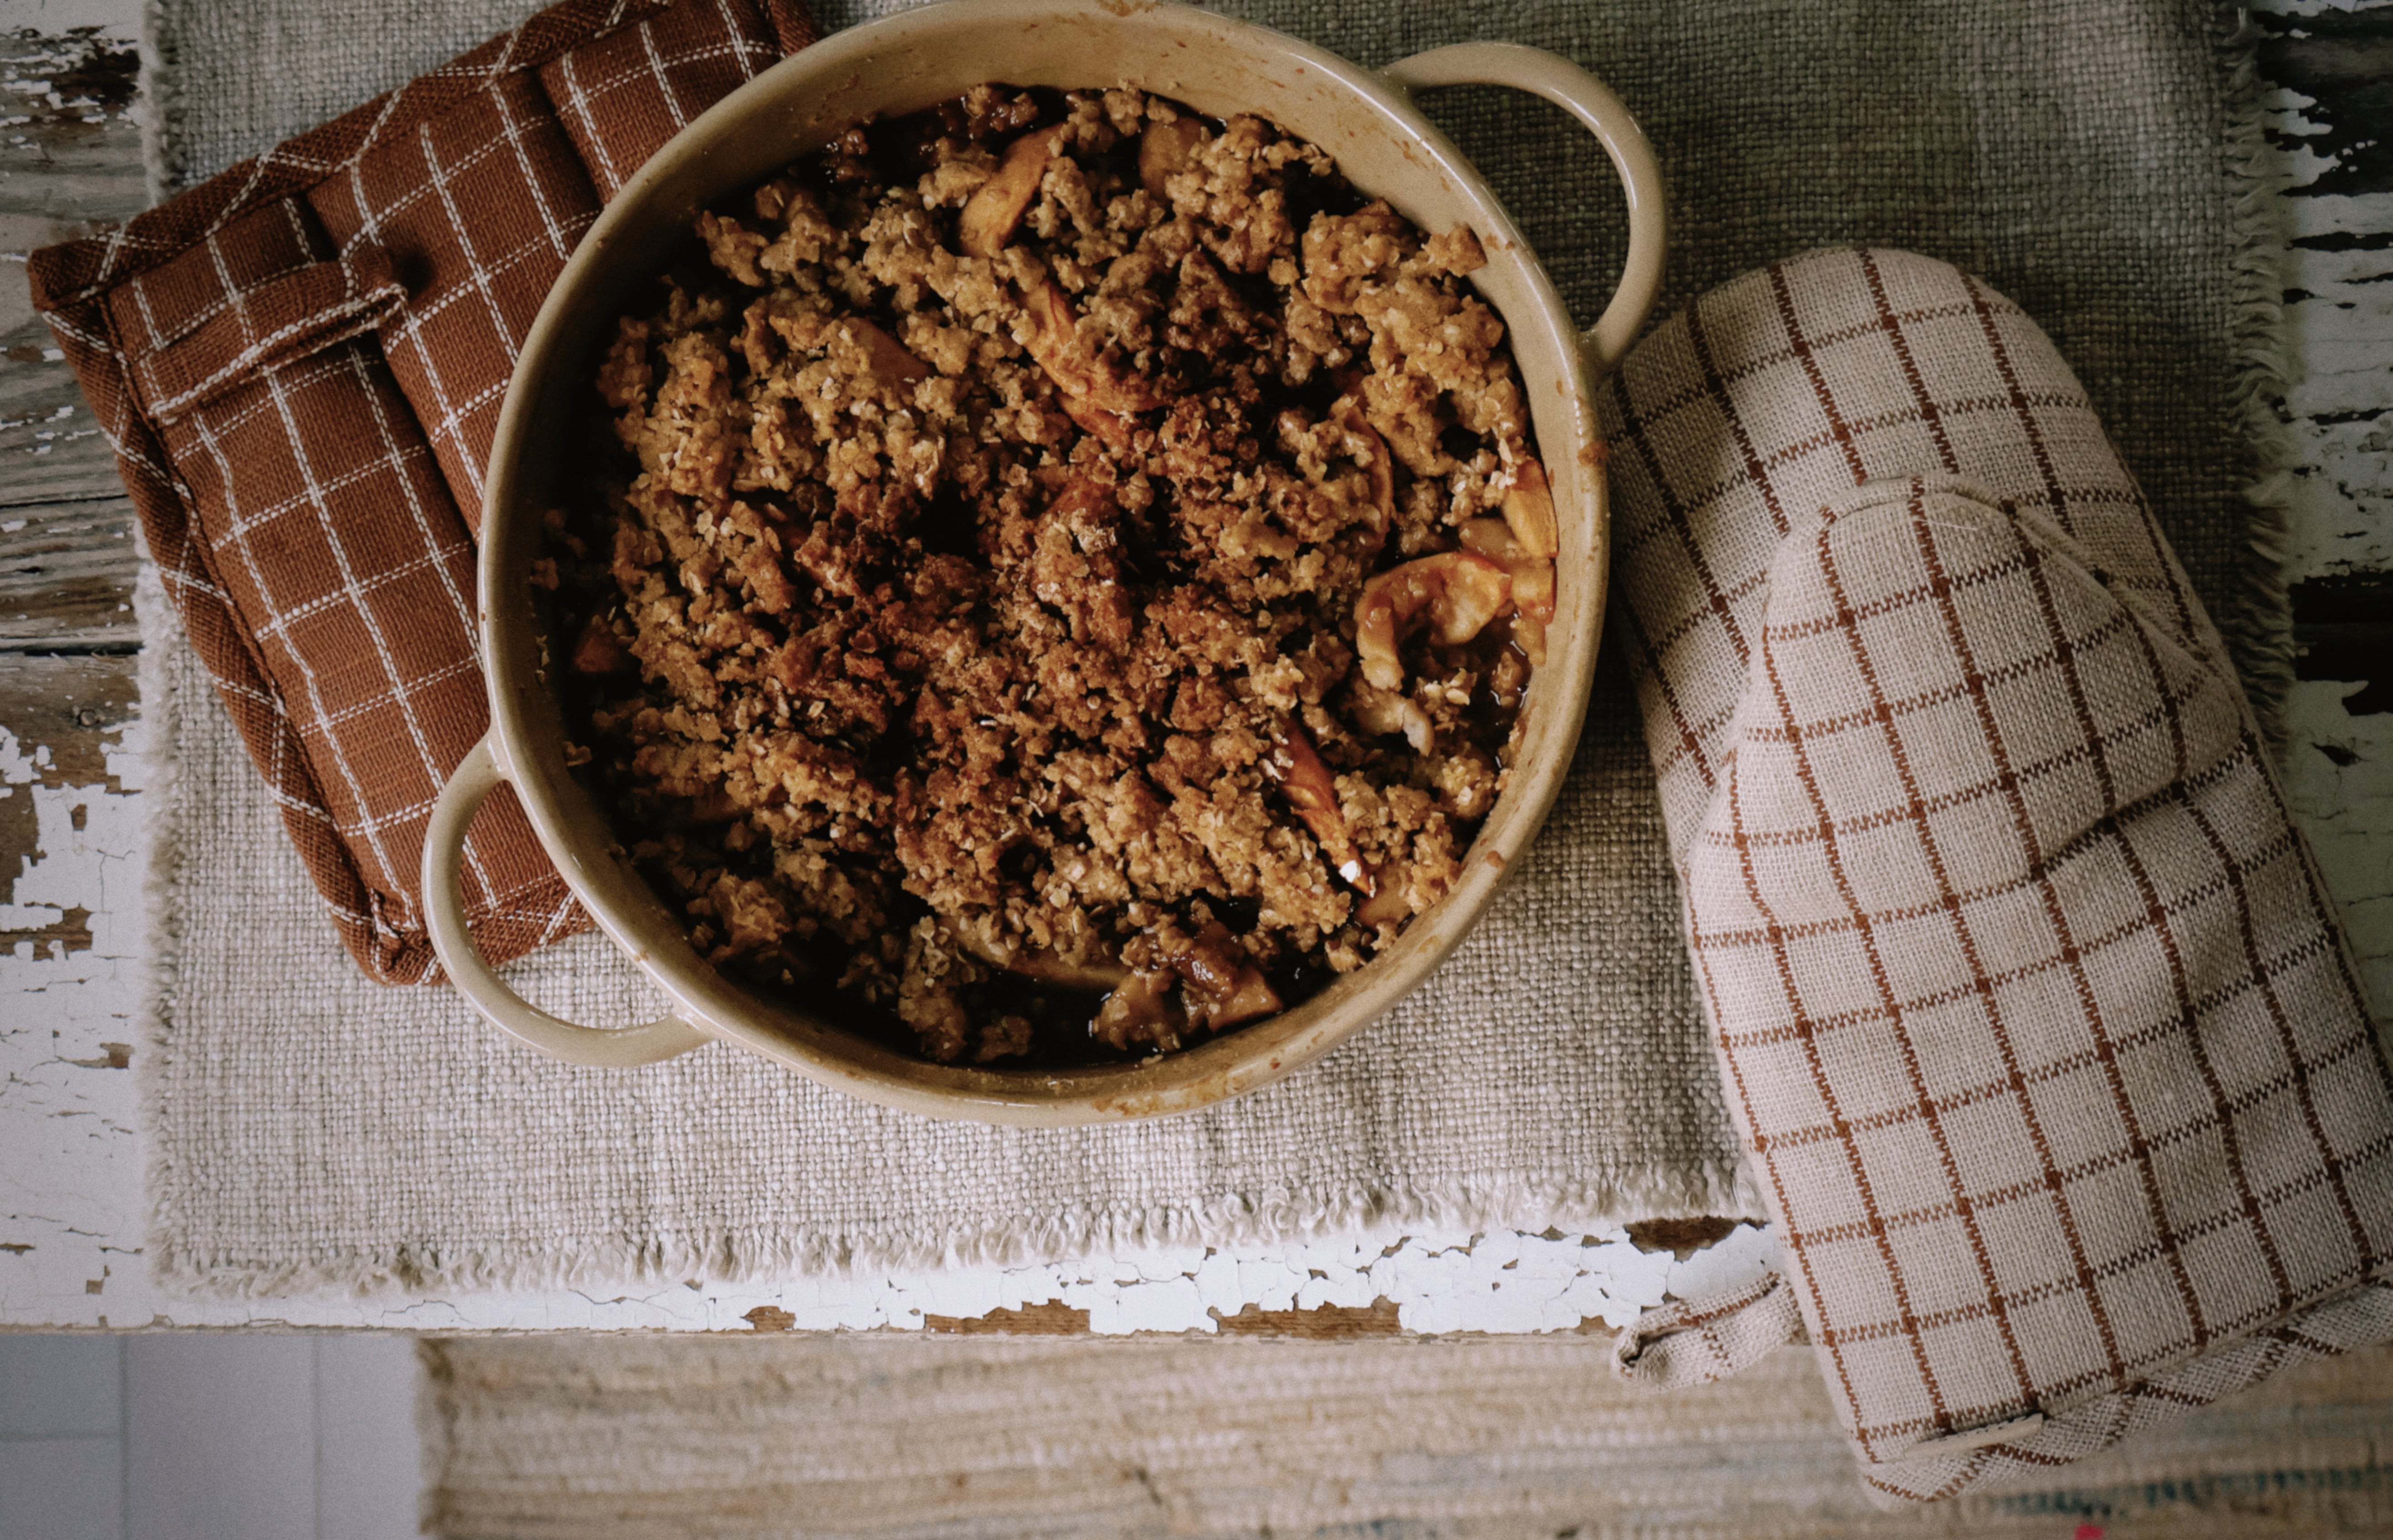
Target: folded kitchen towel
300 364
2034 1015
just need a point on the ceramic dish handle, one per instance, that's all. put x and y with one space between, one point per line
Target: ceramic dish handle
444 850
1592 103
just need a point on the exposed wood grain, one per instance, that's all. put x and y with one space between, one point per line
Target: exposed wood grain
70 162
69 933
1680 1237
70 168
65 709
20 839
64 712
2345 59
2342 61
1322 1324
66 572
2344 627
1050 1318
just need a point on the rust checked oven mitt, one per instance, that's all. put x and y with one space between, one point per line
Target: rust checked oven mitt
2039 1028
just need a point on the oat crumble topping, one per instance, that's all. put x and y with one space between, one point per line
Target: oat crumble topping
1068 578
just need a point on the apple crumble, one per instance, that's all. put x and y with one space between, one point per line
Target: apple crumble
1067 581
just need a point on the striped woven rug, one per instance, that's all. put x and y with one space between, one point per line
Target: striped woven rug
971 1438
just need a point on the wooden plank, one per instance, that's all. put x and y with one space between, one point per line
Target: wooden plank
72 163
2344 59
2343 626
2334 64
66 576
66 710
2342 622
69 168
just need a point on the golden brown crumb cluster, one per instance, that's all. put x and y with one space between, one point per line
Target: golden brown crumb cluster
1073 575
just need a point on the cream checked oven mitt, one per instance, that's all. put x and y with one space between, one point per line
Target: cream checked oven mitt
2036 1021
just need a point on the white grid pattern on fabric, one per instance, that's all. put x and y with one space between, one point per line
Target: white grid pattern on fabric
478 273
446 416
655 75
244 547
577 98
97 295
313 157
490 894
378 815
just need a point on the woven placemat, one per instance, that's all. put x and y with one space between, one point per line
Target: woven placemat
307 1127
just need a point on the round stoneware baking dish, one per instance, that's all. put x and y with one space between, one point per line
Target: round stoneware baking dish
1365 119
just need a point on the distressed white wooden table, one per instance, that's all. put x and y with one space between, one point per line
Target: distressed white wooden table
73 842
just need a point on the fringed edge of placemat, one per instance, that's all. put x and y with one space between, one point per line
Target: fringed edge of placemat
163 153
1471 1205
160 626
2259 628
1465 1204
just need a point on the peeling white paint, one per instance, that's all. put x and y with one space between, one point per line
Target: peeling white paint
2340 323
71 1195
2339 778
2340 395
68 1148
